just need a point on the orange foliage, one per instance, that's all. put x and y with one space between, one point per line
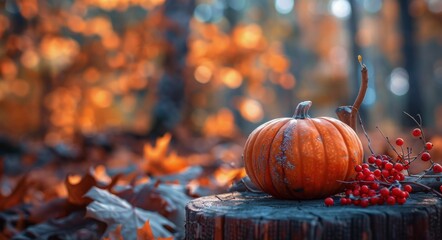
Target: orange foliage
158 159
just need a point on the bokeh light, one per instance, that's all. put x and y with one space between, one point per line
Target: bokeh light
399 82
284 6
340 8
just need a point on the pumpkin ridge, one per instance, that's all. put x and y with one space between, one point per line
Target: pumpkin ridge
349 169
254 156
297 136
249 153
287 139
269 158
326 158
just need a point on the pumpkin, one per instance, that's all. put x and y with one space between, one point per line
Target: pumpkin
302 157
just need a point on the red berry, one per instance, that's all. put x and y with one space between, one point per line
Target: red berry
399 141
385 173
360 176
401 200
343 201
369 178
364 189
377 173
402 194
358 168
378 162
366 171
407 194
399 167
364 165
348 192
406 164
385 192
429 145
371 159
356 202
391 200
440 188
396 192
437 168
329 202
374 200
371 193
364 203
393 172
425 156
388 166
374 186
416 132
356 192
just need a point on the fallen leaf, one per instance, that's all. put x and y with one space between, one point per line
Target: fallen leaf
143 233
17 195
159 161
184 176
56 208
73 226
77 186
115 211
167 199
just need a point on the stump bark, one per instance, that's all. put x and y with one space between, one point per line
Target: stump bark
259 216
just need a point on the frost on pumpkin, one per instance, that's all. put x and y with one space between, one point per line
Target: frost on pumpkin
281 157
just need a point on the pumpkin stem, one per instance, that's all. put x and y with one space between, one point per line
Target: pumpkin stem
301 111
348 114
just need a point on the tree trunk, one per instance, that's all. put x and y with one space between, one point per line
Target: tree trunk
414 97
260 216
168 109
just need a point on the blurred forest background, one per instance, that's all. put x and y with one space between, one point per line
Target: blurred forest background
152 100
212 68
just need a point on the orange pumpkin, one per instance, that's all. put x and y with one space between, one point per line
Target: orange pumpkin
302 157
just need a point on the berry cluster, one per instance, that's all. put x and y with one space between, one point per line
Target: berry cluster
382 179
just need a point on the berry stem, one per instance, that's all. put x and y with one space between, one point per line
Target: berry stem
366 134
424 186
388 141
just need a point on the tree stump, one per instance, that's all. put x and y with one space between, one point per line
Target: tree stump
259 216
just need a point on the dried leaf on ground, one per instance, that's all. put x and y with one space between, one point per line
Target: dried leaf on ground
17 195
115 211
159 161
73 226
143 233
78 186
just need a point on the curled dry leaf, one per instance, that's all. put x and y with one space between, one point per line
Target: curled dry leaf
167 199
159 161
77 186
143 233
17 195
115 211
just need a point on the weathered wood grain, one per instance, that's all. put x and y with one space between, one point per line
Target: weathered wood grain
260 216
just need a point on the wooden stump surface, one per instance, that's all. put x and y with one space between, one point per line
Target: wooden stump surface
259 216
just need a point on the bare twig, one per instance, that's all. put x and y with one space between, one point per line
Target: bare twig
366 134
